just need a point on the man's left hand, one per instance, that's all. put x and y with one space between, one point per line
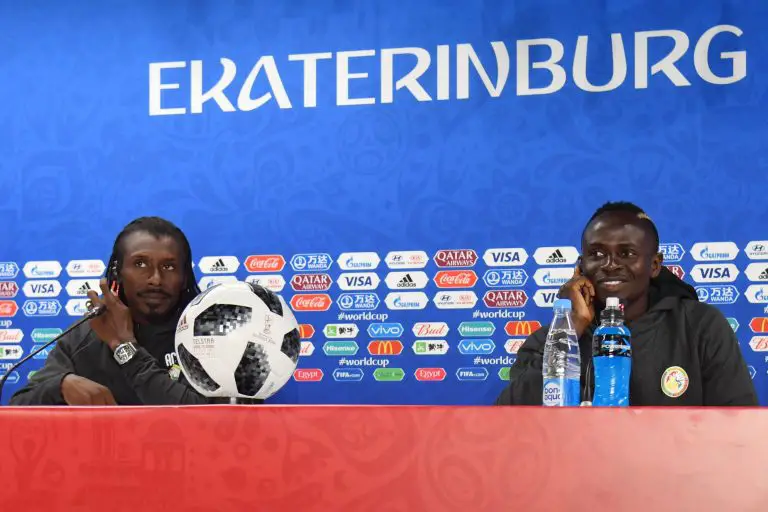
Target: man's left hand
115 326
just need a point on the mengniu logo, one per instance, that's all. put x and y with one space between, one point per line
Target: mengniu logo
8 308
429 374
306 331
264 263
522 327
759 325
308 375
385 347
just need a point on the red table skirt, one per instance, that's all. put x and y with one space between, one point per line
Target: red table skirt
215 458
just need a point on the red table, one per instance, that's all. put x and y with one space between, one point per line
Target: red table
215 458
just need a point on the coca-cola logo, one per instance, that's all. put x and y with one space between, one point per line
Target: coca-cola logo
311 282
455 279
311 302
456 258
505 298
430 329
8 308
265 263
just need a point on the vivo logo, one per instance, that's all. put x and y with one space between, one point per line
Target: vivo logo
385 330
476 347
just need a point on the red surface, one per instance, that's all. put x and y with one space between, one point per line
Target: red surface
382 458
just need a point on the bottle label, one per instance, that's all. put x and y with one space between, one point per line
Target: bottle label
612 376
553 392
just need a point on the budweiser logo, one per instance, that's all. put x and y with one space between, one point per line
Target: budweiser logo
11 335
456 279
265 263
311 282
430 329
311 302
456 258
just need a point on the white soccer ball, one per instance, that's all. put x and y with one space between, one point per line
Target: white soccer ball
237 340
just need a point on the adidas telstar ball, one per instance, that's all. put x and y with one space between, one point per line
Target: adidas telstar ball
237 339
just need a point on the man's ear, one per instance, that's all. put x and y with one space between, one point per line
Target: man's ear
656 263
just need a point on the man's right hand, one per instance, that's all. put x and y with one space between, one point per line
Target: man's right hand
581 292
78 390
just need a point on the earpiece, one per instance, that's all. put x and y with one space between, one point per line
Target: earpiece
114 276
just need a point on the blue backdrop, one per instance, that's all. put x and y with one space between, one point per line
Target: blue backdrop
330 127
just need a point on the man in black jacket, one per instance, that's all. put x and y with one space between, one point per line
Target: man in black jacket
683 351
127 355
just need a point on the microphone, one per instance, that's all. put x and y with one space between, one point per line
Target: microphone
91 313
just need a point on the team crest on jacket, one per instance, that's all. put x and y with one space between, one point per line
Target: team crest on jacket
674 381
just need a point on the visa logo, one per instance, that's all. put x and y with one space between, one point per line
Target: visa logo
42 288
358 281
476 347
385 330
715 273
506 257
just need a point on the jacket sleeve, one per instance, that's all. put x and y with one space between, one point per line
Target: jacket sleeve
525 381
44 388
724 372
153 386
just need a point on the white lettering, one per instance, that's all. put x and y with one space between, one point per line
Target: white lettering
410 80
443 72
310 74
618 58
667 64
466 54
551 64
244 100
156 86
216 93
701 57
343 76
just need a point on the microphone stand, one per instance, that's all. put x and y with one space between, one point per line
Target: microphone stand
92 313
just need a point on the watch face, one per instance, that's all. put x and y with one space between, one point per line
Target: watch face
124 352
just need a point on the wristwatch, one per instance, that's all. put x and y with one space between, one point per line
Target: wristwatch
125 352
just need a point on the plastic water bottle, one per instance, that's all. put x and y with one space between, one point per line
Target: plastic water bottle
612 357
561 367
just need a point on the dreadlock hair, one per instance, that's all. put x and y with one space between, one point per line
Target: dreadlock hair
157 227
626 207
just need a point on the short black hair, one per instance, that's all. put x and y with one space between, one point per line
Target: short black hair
626 207
157 227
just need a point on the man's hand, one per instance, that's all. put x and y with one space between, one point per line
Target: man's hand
581 292
116 325
78 390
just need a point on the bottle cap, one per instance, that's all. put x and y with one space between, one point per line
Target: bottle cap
563 304
612 302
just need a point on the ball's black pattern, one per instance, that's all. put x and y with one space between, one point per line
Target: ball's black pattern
195 370
253 370
291 345
269 298
221 319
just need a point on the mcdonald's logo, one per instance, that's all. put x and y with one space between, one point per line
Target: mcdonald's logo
759 324
385 348
522 327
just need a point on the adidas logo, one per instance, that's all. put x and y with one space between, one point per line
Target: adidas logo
763 275
219 266
182 324
407 282
556 257
84 289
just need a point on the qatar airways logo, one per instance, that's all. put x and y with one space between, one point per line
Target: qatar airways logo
442 72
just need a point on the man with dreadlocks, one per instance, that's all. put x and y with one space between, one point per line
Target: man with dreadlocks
684 352
126 355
